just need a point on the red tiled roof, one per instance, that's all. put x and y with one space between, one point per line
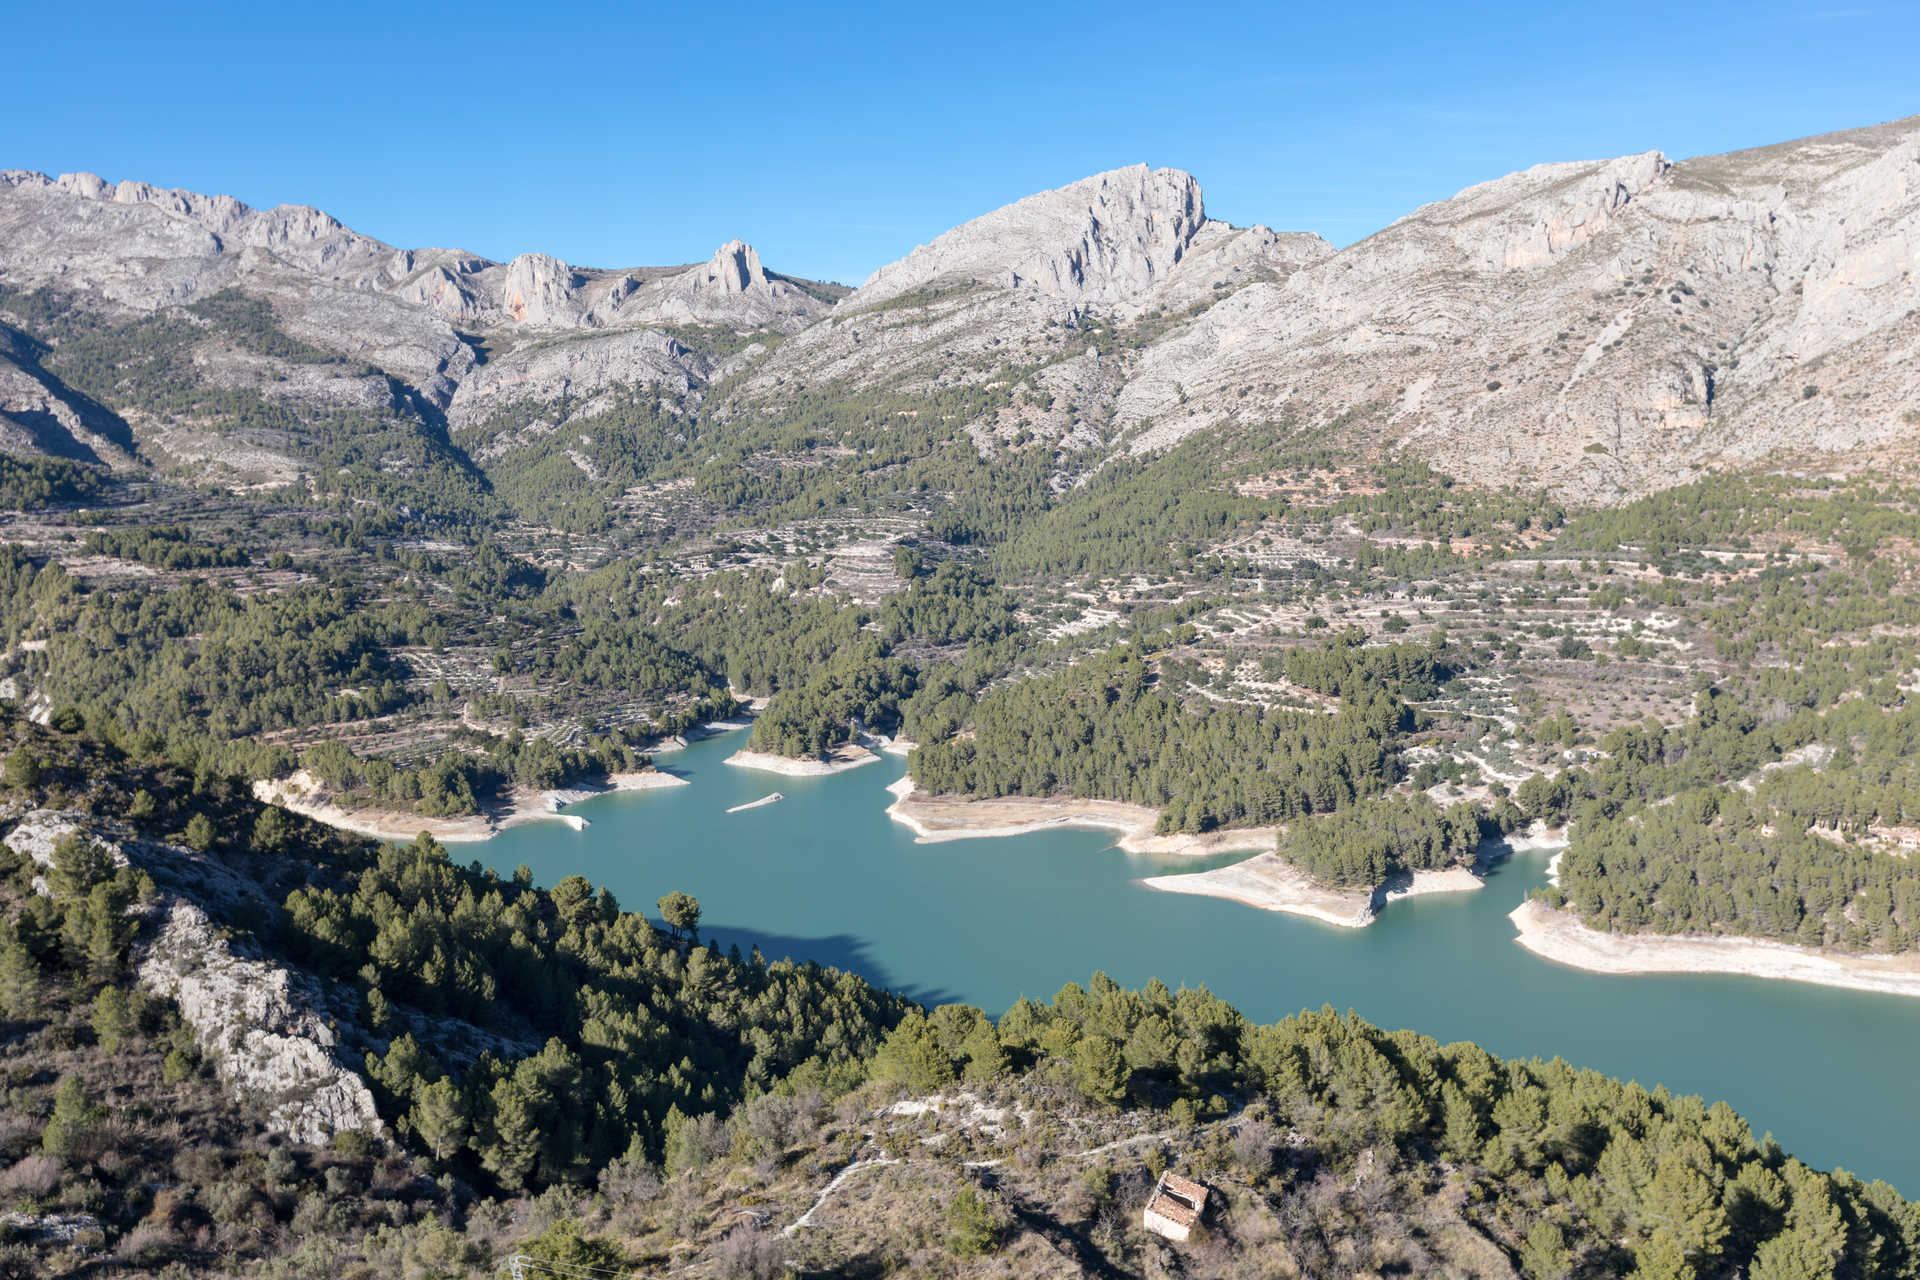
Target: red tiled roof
1177 1199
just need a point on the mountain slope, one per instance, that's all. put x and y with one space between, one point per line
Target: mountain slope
1601 329
1597 329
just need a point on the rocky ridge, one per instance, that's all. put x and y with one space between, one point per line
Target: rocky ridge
142 247
1598 329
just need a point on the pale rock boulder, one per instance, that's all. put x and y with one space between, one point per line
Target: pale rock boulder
266 1029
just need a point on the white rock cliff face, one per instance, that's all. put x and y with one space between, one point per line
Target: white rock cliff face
1597 329
1102 239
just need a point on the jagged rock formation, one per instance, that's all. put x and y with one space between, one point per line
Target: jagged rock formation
1114 238
1012 288
141 247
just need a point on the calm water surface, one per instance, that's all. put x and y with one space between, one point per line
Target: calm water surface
824 875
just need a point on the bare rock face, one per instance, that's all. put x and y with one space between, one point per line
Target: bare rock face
140 247
1103 239
1597 329
1013 288
266 1029
539 290
575 370
260 1026
735 269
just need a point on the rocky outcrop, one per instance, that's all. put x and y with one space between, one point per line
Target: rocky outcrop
732 289
261 1027
140 247
1598 329
268 1030
540 290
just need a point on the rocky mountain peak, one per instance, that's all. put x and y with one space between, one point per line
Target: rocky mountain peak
735 268
1106 238
539 290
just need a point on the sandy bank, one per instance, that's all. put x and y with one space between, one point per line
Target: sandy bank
1271 883
775 798
936 819
839 760
1559 936
302 793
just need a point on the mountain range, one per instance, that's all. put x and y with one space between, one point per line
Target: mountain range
1598 329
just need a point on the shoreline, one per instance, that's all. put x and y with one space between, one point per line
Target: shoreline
939 819
1559 936
699 733
839 760
302 794
1269 882
773 798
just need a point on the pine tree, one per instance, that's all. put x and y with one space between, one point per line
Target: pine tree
911 1054
19 978
439 1118
1099 1070
22 769
72 1119
109 932
200 834
112 1019
1682 1201
514 1141
1662 1258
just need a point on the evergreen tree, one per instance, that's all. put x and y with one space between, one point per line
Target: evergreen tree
113 1021
513 1139
439 1118
72 1120
1099 1070
19 978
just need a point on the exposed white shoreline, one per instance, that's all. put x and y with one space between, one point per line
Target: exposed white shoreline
302 794
712 728
1271 883
938 819
774 798
1561 937
839 760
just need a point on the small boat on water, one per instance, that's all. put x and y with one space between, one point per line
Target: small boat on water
775 798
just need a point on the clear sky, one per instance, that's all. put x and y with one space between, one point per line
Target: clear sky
837 137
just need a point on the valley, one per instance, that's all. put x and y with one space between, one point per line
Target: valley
1576 511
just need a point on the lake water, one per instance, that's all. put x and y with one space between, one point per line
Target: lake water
825 875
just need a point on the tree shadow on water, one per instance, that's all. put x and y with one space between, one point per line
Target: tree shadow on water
838 951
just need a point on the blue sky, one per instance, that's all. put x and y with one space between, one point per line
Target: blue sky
835 138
